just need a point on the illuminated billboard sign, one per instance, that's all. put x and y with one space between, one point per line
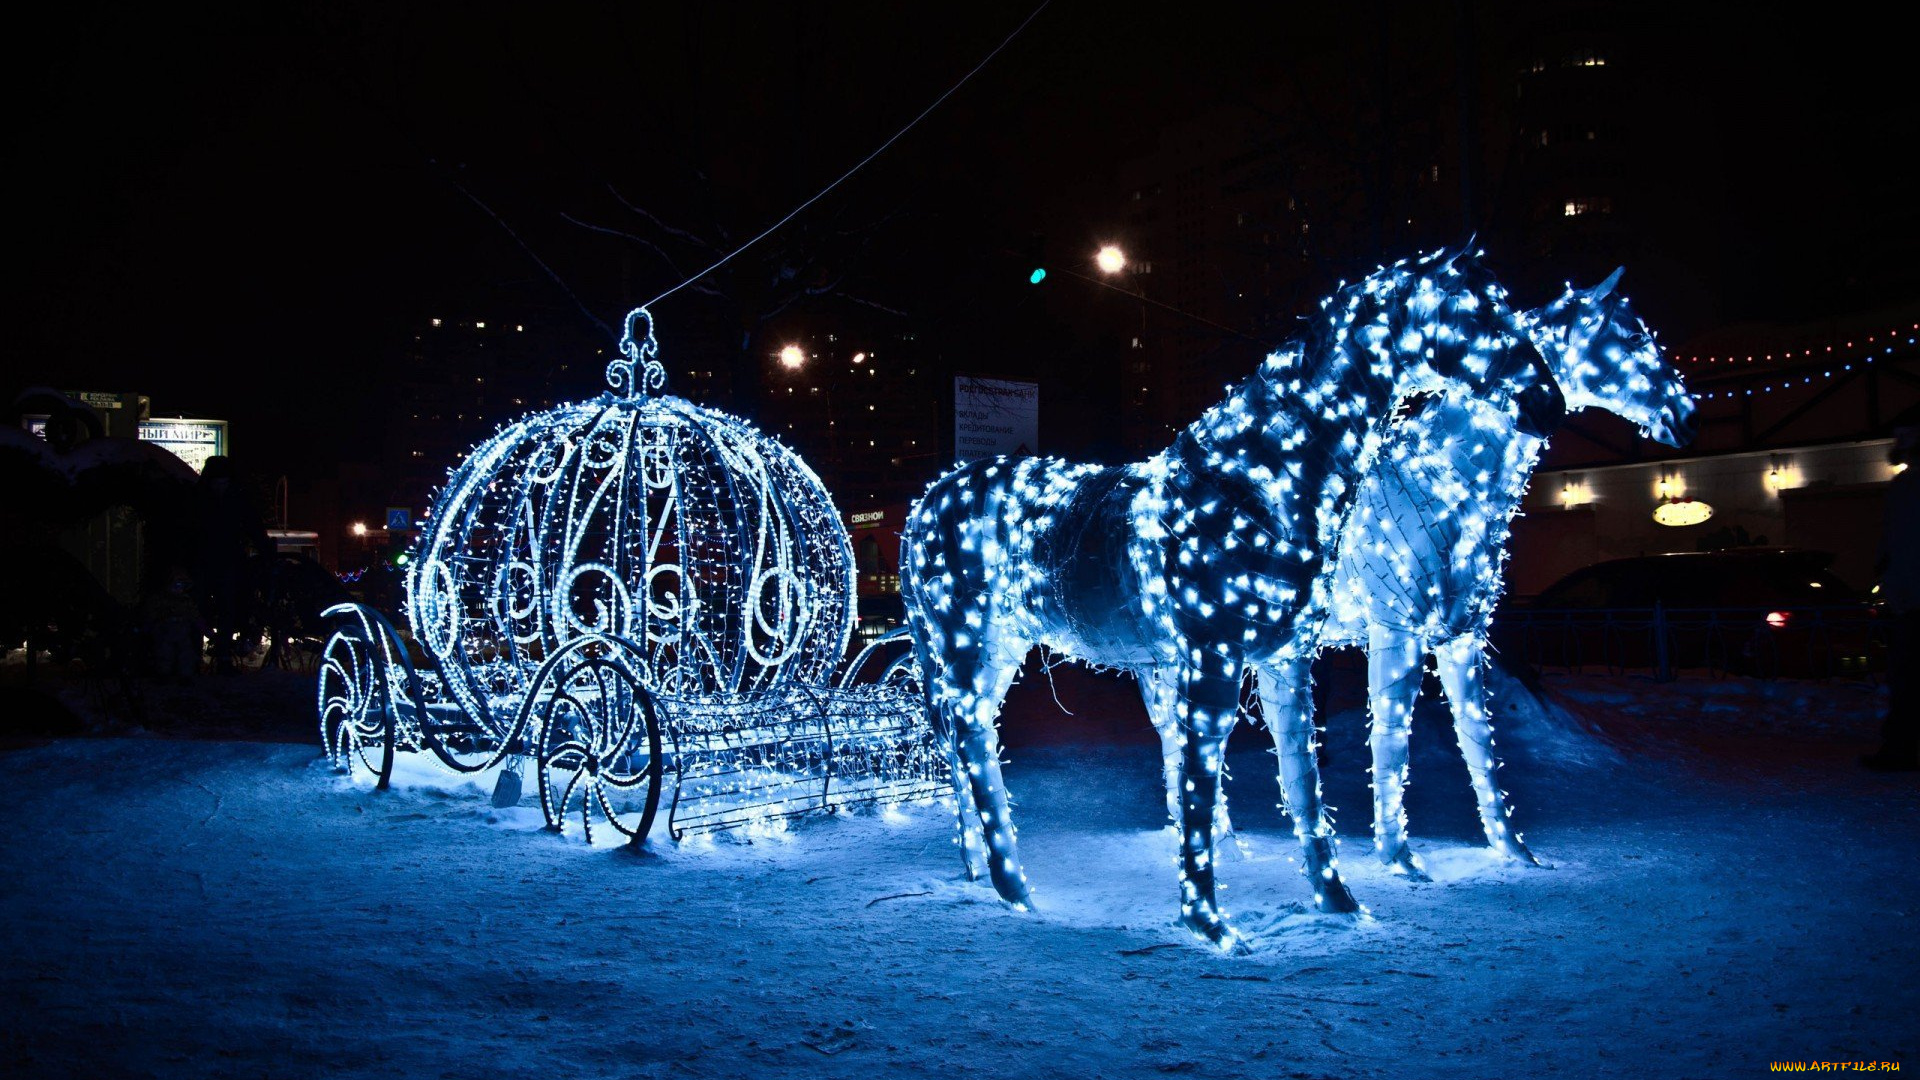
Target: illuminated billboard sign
192 441
994 416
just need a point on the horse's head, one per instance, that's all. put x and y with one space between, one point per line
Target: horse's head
1473 342
1605 357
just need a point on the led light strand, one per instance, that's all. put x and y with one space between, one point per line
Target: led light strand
1202 562
608 581
1421 557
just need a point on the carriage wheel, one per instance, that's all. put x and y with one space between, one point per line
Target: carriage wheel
596 739
356 717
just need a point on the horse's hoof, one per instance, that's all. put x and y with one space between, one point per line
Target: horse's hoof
1217 932
1333 898
1404 864
1515 851
1017 898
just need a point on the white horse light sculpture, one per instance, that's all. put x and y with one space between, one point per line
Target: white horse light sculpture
1420 561
1202 561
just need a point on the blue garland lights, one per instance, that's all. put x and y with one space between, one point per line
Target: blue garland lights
625 591
1420 561
1206 560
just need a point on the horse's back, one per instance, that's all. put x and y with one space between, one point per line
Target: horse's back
1052 541
1092 589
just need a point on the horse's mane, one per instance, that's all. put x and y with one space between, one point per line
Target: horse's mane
1372 301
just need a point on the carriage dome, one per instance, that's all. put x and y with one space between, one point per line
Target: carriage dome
710 546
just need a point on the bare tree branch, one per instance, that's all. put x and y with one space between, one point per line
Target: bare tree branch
691 238
641 240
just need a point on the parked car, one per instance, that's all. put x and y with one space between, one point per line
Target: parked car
1755 611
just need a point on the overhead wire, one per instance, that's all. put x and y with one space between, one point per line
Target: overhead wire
862 163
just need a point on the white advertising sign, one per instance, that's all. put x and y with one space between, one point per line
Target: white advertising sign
994 416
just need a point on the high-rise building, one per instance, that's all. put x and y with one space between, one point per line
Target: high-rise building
861 402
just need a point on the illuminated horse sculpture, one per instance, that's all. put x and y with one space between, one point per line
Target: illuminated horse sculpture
1419 569
1200 562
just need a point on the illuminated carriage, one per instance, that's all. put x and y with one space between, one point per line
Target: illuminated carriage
635 597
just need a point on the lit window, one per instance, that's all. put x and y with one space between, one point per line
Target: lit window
436 322
479 326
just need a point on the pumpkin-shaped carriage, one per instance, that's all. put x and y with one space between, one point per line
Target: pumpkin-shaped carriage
636 597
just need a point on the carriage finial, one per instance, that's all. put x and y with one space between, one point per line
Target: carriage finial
637 352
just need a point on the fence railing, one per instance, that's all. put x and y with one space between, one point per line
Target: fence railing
1826 642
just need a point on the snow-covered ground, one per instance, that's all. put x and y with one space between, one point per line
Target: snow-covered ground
1727 889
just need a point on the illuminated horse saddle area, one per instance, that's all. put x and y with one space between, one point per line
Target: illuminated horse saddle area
1421 555
1203 561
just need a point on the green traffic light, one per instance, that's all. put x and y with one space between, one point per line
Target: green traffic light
402 559
1039 275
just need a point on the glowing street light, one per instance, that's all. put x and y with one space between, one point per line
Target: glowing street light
1111 260
359 528
792 357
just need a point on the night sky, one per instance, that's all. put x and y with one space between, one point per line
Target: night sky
243 213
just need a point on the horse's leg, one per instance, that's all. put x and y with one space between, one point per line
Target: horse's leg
1461 675
974 683
966 817
1207 706
1159 693
1286 696
1393 684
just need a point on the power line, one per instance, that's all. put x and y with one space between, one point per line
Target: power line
862 163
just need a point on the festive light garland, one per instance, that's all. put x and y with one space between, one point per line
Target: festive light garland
1201 561
686 530
625 587
1844 367
1805 354
1421 555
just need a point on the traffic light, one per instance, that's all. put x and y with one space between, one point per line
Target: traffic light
1037 258
1039 275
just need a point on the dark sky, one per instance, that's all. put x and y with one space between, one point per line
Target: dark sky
241 212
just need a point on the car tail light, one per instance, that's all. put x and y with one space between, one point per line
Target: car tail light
1777 619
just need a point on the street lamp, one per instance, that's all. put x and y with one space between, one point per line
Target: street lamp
792 357
1111 260
359 528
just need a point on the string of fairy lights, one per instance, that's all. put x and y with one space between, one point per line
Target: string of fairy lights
1809 353
1421 557
1206 560
622 591
1878 349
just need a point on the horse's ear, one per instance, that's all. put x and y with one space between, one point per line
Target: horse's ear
1601 290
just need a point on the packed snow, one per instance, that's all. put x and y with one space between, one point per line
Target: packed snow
1727 889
